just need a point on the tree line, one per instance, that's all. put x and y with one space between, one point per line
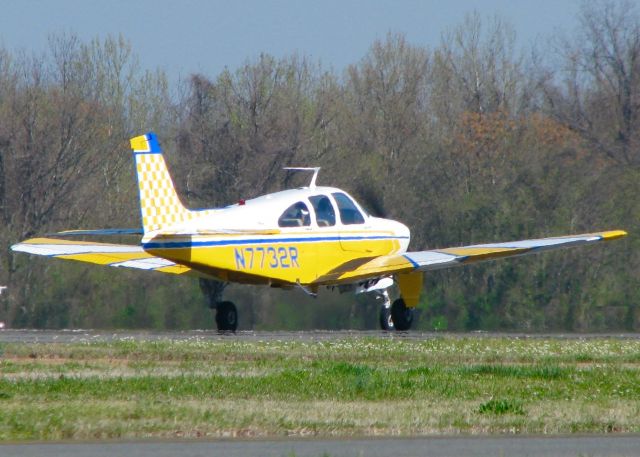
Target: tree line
474 140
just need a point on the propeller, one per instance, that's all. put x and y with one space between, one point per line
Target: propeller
371 198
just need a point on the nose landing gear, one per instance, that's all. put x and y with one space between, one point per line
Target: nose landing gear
386 321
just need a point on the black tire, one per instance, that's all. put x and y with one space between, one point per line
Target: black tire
226 317
386 322
401 315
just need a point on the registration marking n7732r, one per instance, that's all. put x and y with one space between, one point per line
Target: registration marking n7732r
266 257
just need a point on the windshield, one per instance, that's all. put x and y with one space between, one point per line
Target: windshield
349 213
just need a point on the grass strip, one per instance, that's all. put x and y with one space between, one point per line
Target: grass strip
351 387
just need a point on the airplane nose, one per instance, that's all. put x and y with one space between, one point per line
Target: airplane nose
404 234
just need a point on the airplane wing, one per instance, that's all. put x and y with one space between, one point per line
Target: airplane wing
113 255
451 257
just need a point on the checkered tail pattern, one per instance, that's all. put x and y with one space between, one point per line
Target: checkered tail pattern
159 203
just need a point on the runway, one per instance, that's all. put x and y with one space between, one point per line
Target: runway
408 447
80 335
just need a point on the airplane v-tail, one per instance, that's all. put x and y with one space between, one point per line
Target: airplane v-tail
309 237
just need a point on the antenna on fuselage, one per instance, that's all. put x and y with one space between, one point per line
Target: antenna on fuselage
316 170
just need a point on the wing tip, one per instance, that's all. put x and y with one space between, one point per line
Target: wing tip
613 234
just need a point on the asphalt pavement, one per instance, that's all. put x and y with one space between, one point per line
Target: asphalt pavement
506 446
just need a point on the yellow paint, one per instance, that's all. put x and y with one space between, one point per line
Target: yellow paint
159 203
285 262
174 269
105 258
613 234
365 267
139 143
288 262
410 285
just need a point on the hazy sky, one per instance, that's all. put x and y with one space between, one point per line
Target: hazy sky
190 36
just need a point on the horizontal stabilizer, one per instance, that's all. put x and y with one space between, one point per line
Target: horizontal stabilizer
220 231
100 232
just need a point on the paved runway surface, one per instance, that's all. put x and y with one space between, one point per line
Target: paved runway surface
458 447
71 336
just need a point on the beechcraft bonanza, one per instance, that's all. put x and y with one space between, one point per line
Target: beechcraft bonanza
309 237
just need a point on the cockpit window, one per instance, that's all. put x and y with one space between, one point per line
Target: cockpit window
297 215
325 214
349 213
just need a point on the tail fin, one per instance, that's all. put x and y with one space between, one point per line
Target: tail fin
159 203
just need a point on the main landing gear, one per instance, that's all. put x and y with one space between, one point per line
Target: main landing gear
226 312
401 315
396 316
226 317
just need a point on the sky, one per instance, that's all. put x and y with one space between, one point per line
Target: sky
197 36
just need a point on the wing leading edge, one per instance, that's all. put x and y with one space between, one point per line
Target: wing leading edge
113 255
451 257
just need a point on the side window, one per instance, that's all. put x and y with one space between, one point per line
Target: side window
296 215
325 214
349 213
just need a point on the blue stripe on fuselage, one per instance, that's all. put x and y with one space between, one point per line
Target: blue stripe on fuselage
190 244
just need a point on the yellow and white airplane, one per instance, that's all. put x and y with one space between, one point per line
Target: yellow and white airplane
308 237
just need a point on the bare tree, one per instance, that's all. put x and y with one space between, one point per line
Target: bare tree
62 145
477 70
388 95
244 127
597 92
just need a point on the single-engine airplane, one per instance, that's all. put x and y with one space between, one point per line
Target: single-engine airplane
308 237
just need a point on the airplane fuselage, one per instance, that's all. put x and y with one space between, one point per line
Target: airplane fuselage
270 252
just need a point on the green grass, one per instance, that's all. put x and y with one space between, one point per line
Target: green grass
501 407
350 387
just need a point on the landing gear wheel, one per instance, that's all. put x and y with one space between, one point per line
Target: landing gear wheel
386 322
226 317
401 315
